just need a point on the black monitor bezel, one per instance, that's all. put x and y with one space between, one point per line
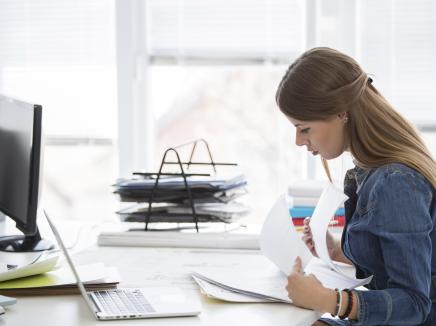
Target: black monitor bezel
30 226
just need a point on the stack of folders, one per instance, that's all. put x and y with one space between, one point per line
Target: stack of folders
281 244
61 281
41 276
302 199
214 198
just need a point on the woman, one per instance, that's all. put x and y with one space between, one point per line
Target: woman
391 210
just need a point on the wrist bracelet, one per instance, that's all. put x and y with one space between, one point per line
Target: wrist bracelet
349 304
338 302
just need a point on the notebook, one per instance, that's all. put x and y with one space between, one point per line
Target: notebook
130 303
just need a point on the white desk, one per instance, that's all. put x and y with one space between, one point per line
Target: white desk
142 267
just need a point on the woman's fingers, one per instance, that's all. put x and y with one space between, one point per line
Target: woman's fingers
308 240
310 245
306 226
297 266
307 236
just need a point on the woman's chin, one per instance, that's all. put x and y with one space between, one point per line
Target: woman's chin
329 156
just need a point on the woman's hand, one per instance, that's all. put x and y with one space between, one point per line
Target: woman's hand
306 291
333 245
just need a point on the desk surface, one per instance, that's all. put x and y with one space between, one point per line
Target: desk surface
144 267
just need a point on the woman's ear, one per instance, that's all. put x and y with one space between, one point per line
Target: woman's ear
343 116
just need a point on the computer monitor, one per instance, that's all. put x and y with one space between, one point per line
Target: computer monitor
20 155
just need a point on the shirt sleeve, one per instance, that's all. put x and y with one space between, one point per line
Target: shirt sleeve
402 222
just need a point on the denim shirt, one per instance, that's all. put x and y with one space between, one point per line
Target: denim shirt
389 233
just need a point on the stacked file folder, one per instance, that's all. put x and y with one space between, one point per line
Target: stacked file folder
213 197
303 198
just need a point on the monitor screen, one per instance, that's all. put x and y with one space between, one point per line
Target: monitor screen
20 145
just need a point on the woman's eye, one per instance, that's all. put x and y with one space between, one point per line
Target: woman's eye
305 131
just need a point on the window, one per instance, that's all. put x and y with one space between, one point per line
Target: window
233 108
213 73
61 54
245 30
395 42
398 46
184 69
213 70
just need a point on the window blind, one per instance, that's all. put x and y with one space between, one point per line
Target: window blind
61 54
50 32
398 46
213 29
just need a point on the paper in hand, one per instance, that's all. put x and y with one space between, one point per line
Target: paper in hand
279 241
331 198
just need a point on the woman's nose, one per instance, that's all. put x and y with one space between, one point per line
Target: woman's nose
299 140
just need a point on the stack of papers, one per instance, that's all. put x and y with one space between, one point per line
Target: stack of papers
213 196
61 281
173 188
177 239
170 213
281 244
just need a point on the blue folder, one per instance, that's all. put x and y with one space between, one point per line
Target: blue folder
307 211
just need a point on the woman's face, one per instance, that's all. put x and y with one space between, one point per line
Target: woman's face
323 137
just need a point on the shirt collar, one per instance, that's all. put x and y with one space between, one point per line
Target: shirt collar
360 174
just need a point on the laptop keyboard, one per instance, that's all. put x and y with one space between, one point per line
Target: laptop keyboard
123 302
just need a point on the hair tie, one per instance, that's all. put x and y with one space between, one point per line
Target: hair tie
369 80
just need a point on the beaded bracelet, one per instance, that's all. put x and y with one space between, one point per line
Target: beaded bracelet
338 302
349 305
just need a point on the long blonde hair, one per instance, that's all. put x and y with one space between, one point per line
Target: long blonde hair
324 82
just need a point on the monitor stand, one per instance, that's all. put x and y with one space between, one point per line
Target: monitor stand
24 243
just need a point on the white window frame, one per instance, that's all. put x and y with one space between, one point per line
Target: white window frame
136 137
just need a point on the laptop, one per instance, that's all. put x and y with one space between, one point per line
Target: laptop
130 303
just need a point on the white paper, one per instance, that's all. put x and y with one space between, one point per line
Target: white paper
39 267
332 279
19 259
281 244
268 283
331 198
279 241
217 292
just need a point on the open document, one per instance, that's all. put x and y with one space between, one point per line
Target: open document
281 244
